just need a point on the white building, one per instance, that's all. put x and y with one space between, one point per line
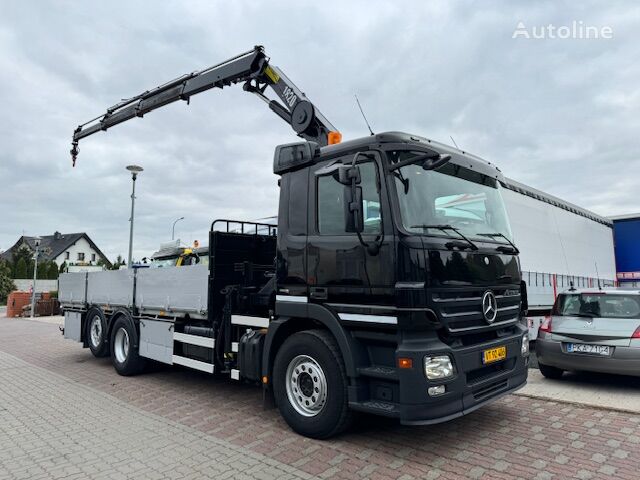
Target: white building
74 249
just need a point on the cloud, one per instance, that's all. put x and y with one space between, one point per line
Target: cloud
560 115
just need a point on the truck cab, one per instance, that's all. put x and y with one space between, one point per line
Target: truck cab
414 265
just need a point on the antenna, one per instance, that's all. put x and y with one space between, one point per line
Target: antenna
363 116
598 276
454 142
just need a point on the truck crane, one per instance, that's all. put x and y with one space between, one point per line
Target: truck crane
252 69
390 284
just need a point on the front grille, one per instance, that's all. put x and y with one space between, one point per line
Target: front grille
489 390
460 310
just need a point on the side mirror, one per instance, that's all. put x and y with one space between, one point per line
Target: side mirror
348 174
353 211
345 173
524 300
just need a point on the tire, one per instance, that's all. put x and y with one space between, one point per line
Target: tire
310 385
550 372
124 354
96 333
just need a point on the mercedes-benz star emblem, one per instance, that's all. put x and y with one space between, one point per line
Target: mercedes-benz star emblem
489 306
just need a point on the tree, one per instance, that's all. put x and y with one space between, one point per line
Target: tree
23 252
6 284
119 261
21 269
43 270
53 271
63 268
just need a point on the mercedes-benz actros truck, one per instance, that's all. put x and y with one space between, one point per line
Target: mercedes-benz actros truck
390 284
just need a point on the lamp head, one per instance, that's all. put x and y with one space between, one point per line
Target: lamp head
135 170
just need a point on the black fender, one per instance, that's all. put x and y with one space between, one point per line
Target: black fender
352 351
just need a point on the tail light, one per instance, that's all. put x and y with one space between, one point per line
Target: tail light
636 334
545 326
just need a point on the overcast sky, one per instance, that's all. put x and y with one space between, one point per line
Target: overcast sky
561 115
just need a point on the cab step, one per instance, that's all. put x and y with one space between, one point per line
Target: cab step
380 372
377 407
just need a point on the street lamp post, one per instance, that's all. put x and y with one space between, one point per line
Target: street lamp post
173 228
35 272
135 170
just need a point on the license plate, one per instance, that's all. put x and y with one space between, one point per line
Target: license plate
494 354
603 350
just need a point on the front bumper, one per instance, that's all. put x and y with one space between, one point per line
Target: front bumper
623 361
473 385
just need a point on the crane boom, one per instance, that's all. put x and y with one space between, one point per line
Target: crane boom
252 68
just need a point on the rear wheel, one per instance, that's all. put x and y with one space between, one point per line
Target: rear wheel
96 333
310 385
124 354
550 372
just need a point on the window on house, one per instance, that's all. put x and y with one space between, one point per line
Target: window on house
80 256
66 255
93 257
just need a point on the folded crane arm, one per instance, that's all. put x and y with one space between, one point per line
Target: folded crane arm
251 68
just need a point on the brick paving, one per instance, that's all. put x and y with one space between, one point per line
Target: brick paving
175 423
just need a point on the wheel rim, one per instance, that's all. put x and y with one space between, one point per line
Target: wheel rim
121 345
95 330
306 386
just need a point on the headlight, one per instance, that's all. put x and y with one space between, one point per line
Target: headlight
525 345
438 367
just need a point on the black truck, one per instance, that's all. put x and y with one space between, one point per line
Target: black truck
388 286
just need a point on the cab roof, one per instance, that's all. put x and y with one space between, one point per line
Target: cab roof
460 157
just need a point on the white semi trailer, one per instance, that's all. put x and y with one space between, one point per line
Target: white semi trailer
560 244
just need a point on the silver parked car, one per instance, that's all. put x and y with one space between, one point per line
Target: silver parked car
591 330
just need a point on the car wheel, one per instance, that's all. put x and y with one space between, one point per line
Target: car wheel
96 333
124 354
310 385
550 372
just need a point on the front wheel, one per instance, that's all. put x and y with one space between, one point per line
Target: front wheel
310 385
124 354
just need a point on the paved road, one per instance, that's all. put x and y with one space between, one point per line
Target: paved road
65 414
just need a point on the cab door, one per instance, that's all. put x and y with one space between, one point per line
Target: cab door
340 268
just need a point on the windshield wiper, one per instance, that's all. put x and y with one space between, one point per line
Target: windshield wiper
516 251
444 228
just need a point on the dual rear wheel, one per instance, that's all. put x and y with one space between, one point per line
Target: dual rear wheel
121 345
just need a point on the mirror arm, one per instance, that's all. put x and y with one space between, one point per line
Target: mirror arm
374 248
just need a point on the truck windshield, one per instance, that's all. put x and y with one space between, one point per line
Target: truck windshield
598 305
452 195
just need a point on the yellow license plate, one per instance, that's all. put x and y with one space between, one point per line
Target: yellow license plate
494 354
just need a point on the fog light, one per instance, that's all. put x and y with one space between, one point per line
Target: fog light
435 391
525 345
438 367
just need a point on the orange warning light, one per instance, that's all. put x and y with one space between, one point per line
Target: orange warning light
334 138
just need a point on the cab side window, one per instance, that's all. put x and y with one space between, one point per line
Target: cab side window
330 204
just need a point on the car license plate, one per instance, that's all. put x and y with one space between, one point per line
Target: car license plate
603 350
494 354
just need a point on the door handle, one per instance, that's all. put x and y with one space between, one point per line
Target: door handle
319 293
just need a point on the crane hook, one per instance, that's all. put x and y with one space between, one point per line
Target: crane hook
74 147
